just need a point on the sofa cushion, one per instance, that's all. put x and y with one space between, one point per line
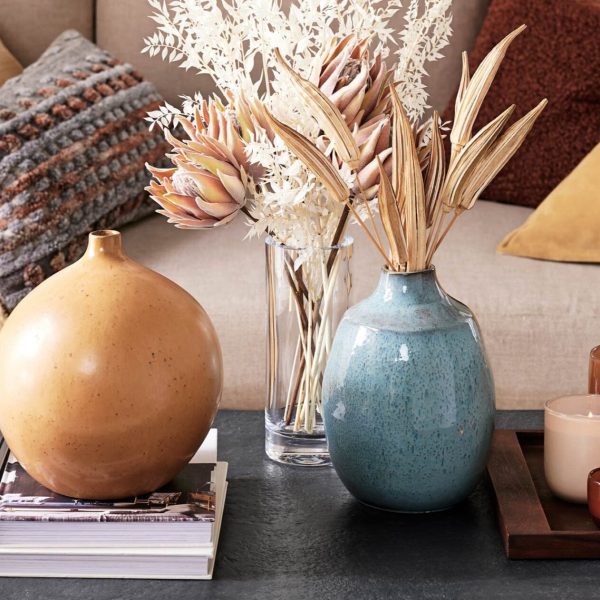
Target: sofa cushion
27 27
73 145
539 319
566 225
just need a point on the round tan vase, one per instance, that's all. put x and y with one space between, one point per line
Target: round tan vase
110 376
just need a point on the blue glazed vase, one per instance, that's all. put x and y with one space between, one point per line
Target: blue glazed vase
408 397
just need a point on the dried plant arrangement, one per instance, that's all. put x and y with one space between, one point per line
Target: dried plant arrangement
296 139
420 193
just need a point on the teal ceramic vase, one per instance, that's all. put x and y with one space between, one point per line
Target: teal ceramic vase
408 397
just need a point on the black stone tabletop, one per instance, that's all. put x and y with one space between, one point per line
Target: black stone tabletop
296 533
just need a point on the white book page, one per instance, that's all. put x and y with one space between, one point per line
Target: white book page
207 453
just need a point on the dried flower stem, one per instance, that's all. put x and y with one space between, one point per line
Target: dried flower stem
313 320
337 236
366 229
437 241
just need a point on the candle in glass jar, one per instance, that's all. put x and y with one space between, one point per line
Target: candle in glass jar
571 444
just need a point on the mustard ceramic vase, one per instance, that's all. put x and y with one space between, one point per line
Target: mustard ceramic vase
110 376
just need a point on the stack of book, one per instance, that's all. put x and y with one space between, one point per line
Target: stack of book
169 534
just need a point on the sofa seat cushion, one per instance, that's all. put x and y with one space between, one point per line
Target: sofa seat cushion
539 319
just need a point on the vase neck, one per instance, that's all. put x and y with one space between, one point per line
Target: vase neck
413 288
105 243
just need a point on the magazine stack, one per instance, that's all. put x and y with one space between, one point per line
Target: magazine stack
171 533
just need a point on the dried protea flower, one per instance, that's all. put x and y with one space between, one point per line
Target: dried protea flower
206 187
358 86
374 143
251 117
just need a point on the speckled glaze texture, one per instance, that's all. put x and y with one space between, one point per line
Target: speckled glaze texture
408 397
110 376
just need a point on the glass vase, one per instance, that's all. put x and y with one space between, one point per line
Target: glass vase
307 294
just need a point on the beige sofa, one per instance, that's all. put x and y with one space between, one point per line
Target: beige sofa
539 319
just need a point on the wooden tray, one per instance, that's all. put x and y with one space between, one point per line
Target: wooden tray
533 522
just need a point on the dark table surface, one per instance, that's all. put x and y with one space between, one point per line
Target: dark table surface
295 533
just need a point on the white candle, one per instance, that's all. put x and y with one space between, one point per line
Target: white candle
571 444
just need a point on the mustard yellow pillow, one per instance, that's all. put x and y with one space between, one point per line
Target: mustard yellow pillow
566 225
9 65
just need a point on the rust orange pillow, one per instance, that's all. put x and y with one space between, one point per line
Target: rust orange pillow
557 57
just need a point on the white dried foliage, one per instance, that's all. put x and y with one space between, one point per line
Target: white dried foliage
228 39
233 42
426 34
291 204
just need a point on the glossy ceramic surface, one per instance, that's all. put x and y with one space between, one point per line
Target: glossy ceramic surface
110 376
408 397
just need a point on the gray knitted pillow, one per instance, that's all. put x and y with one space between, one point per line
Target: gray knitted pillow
73 144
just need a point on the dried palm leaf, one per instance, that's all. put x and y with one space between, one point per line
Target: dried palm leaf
409 178
475 90
465 77
390 219
312 157
461 167
326 113
397 157
424 153
498 155
424 146
436 171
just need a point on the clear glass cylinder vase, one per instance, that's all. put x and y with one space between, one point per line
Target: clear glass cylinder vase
307 294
